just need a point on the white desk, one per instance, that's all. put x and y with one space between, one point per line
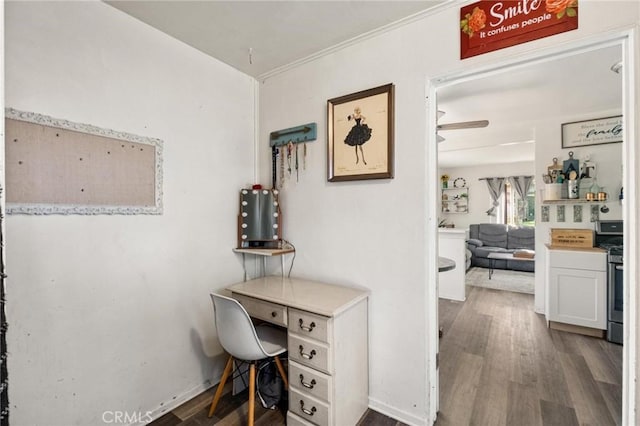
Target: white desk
327 342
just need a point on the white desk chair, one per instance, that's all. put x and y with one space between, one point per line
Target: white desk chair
245 342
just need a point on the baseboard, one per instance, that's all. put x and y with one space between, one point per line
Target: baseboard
174 403
394 413
587 331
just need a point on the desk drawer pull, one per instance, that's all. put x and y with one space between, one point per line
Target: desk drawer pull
307 412
310 385
304 327
310 355
263 310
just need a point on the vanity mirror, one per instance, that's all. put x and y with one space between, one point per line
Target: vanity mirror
259 219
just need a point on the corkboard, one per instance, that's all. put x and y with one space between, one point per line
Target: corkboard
56 166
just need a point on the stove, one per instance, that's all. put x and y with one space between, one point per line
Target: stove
614 251
609 236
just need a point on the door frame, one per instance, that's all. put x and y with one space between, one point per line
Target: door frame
628 40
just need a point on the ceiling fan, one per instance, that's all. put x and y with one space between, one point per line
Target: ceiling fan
459 125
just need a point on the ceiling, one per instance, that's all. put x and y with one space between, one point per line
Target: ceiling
260 37
574 85
257 37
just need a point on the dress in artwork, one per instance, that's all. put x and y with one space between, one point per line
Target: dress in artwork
359 134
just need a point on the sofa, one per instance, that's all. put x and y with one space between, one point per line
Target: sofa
486 238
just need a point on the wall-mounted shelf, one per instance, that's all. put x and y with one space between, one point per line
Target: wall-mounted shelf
455 200
575 201
265 252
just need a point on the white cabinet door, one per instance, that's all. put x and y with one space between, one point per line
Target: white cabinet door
578 297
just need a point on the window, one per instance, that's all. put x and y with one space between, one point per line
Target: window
513 210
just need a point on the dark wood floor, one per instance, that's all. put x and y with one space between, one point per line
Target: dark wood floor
501 365
232 411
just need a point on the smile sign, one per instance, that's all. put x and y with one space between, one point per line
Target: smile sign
489 25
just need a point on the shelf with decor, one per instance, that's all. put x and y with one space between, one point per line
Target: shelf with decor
455 200
574 201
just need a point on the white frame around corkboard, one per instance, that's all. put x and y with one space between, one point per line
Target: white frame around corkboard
55 166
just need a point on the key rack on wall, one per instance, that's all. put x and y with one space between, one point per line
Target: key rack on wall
299 134
284 145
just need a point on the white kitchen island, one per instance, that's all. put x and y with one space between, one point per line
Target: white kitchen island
452 244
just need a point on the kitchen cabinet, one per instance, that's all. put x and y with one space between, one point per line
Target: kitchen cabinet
455 200
577 287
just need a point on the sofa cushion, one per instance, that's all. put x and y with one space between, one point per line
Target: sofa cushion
493 234
521 237
473 231
517 265
474 242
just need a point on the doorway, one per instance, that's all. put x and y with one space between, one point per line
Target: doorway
440 86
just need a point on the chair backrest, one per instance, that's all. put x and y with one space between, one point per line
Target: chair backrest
236 332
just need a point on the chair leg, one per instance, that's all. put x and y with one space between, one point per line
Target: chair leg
223 380
252 392
282 373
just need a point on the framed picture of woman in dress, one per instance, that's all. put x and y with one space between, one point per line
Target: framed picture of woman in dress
360 135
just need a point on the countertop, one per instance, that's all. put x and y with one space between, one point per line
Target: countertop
587 249
452 231
322 298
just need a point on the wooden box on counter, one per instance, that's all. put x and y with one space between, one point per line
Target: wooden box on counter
578 238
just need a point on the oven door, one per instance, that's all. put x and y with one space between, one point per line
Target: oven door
616 292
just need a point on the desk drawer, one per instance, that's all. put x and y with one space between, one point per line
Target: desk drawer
309 325
309 408
261 309
309 352
310 381
293 420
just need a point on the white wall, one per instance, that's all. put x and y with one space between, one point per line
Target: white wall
479 198
371 233
113 312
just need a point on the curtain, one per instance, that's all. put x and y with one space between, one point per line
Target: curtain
521 184
496 188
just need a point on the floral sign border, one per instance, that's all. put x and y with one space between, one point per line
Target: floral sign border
490 25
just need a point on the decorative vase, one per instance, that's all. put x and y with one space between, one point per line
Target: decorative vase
445 184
